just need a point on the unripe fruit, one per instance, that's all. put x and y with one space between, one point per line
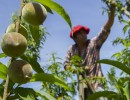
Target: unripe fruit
34 13
22 30
20 71
13 44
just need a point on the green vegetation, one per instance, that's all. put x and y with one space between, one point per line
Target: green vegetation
24 54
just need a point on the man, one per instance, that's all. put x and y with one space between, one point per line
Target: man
89 51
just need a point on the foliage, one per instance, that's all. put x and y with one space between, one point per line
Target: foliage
58 83
120 84
36 40
56 67
56 7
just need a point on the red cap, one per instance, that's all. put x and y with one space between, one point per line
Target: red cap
77 28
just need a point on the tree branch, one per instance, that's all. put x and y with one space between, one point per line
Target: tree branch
6 88
20 14
5 94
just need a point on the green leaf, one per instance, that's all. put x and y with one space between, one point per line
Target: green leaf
3 71
116 64
1 89
35 65
35 33
115 82
122 80
127 90
49 78
56 7
125 21
125 28
2 55
3 68
26 93
45 95
48 9
109 94
29 97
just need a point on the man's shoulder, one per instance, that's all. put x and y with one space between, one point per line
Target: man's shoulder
72 47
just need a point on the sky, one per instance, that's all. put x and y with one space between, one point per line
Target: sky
83 12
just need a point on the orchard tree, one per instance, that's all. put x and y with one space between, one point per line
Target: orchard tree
26 35
21 43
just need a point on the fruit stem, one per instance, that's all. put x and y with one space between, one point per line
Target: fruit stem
19 17
6 88
5 94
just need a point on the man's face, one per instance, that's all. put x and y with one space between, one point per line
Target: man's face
80 36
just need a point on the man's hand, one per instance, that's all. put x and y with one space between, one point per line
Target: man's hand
77 70
111 3
67 67
86 68
81 70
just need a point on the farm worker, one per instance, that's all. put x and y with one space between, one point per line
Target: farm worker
89 51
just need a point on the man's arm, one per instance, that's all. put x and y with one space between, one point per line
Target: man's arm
110 21
70 53
105 31
67 59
